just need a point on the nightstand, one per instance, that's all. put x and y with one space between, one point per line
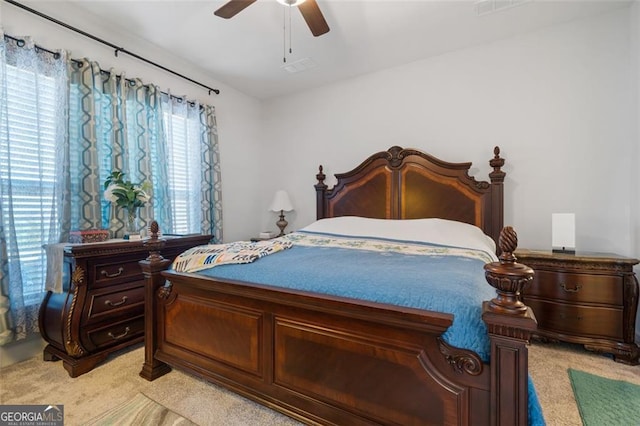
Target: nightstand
585 298
101 307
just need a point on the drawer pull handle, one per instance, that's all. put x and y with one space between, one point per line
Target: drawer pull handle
570 290
119 336
108 275
114 304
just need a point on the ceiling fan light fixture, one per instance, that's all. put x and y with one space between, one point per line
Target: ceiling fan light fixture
291 2
308 8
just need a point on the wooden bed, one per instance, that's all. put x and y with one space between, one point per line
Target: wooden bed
331 360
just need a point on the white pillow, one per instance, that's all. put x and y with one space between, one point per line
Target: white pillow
435 231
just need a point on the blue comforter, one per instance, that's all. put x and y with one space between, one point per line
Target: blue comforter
417 275
383 273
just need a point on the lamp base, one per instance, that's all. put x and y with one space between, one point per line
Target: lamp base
282 223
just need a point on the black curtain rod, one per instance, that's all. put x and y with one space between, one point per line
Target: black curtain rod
113 46
20 43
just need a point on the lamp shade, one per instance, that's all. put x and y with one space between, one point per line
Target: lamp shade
281 202
563 232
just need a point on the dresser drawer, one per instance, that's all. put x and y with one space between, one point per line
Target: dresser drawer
117 271
117 333
114 301
577 320
583 288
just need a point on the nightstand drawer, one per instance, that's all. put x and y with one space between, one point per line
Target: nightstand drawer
583 288
578 320
114 334
114 272
116 301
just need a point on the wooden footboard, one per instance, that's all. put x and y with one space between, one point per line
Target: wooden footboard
330 360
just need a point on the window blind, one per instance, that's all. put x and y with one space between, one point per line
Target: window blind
27 167
183 142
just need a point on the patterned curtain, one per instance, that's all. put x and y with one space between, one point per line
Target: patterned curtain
211 175
34 168
116 125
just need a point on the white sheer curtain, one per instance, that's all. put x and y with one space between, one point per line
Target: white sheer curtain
33 158
182 127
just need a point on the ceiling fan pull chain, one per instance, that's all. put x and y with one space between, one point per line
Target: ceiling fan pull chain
290 32
284 36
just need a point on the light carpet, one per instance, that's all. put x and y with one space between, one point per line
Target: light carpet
140 410
117 381
603 401
548 365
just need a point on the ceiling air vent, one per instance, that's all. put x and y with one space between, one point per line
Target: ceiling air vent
300 65
484 7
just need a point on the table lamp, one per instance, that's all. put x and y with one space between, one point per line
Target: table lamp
281 203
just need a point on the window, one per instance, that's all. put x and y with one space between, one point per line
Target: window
27 170
183 146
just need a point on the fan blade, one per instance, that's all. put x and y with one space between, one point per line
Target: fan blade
232 8
312 14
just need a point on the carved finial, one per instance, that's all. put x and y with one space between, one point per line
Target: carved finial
320 176
508 277
154 228
497 175
508 242
154 243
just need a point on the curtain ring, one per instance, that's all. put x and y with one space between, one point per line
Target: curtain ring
20 42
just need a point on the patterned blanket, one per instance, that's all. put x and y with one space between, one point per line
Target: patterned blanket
205 257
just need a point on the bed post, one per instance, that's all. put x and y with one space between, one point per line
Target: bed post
497 194
510 324
151 268
321 189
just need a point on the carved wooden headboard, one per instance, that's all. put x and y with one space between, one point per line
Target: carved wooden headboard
410 184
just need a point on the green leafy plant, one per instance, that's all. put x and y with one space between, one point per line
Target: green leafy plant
124 193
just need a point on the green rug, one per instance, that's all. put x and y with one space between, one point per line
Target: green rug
139 411
603 401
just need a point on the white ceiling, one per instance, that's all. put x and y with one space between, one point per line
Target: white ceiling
246 52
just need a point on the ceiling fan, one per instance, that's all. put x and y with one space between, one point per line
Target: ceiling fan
309 9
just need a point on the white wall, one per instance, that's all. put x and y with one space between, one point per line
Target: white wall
238 115
557 101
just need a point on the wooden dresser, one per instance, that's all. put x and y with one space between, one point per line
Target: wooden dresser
586 298
101 308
